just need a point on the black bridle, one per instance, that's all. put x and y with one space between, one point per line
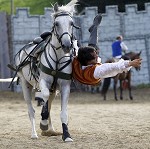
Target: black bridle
54 48
54 30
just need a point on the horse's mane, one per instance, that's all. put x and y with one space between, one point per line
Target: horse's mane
129 53
69 8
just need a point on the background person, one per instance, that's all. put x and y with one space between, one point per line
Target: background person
118 47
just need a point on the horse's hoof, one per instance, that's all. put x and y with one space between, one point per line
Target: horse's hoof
44 125
34 136
68 140
131 98
50 133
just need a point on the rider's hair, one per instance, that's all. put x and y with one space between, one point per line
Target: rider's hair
119 37
84 54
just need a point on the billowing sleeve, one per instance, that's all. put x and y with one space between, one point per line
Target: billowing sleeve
107 70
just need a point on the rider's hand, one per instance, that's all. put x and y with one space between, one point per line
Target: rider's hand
135 63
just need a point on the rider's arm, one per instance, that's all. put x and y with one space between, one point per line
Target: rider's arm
111 69
107 70
123 46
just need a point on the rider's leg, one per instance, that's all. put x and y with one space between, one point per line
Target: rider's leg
93 39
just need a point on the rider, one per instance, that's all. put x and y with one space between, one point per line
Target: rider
118 47
87 68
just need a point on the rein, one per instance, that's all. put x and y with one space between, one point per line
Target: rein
54 27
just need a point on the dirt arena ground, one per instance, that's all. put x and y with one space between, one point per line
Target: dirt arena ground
93 123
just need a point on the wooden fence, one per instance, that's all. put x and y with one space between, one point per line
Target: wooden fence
4 49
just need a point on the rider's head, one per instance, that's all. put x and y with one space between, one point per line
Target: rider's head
87 55
119 38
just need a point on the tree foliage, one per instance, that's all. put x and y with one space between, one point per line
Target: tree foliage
101 4
37 6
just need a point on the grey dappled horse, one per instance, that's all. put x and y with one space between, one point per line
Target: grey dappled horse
55 68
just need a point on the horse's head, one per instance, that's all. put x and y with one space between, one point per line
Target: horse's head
63 25
132 56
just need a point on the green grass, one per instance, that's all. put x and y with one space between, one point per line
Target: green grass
36 6
143 86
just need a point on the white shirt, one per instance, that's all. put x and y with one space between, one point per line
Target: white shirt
107 70
123 46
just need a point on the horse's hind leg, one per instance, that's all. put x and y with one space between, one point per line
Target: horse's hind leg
27 89
115 90
129 87
121 90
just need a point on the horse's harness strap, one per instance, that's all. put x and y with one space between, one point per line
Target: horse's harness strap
55 73
63 14
59 38
49 64
67 63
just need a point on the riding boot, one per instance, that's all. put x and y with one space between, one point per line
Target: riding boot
97 20
93 39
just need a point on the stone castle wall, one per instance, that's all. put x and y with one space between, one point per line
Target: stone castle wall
132 24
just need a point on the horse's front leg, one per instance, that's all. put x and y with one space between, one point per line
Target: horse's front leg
27 89
65 92
44 86
129 88
46 123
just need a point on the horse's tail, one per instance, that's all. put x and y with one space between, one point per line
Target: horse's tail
106 84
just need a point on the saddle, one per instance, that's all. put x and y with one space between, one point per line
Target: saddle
32 57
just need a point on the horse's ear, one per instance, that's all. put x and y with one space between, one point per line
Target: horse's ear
72 2
140 53
56 7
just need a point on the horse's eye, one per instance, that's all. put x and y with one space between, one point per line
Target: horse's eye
56 24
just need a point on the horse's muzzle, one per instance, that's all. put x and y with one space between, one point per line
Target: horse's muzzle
66 47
